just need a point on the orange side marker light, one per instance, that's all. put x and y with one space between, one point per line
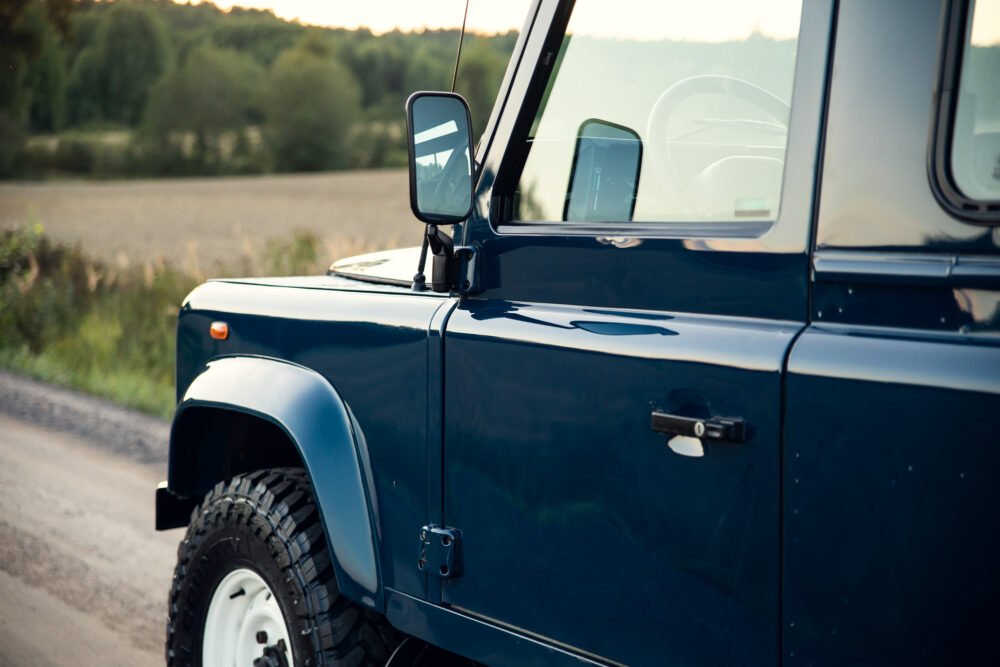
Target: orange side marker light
219 330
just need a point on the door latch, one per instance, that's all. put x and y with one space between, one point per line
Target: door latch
438 553
719 429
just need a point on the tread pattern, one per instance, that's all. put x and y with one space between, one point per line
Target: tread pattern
277 506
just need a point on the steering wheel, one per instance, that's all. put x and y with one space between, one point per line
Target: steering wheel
447 195
661 153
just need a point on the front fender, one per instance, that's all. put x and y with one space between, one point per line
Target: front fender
312 414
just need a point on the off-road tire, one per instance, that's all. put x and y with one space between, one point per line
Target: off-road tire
268 521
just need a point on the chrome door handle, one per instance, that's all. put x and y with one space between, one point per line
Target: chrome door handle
718 429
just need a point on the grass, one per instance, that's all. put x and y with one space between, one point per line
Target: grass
109 331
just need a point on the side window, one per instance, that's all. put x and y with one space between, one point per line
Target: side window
975 147
663 112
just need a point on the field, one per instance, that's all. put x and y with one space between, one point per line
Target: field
200 225
92 273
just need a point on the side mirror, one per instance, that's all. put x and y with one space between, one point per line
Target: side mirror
605 173
439 134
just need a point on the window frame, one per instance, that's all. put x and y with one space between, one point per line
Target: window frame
955 27
511 165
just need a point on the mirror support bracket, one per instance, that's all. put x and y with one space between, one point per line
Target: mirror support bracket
443 270
453 268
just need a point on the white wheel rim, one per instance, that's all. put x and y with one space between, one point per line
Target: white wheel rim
242 606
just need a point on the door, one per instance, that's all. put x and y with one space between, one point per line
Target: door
893 413
680 292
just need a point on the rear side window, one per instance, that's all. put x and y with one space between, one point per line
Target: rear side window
968 133
975 154
668 111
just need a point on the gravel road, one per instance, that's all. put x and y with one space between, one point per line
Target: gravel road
83 575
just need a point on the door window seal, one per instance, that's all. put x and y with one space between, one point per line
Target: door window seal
951 48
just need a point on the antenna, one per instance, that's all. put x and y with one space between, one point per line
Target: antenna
419 280
461 38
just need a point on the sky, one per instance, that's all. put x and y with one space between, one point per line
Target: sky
986 23
385 15
706 20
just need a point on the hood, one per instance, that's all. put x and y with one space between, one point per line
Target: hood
387 267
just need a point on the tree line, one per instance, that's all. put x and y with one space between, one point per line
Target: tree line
152 87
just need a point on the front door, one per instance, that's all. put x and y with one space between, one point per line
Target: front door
645 252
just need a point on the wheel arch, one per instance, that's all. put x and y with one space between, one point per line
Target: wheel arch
246 413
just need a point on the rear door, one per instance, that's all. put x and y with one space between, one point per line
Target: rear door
891 459
642 248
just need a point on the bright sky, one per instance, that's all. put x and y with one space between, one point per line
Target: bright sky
702 21
986 23
706 20
709 20
384 15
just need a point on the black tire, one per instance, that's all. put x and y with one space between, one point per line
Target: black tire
267 521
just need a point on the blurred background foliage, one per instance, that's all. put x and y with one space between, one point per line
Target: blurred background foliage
154 88
110 329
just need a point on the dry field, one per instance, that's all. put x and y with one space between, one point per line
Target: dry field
199 224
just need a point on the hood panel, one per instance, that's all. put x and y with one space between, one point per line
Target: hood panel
391 267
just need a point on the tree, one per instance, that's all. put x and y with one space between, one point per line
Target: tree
46 75
257 33
480 73
213 93
380 65
311 103
23 24
428 69
112 76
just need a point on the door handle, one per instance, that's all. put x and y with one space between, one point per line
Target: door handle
719 429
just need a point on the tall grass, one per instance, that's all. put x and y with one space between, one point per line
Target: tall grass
108 330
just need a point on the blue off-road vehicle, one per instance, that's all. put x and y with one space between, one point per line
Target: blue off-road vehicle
705 368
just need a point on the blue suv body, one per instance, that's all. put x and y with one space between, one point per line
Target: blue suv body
751 416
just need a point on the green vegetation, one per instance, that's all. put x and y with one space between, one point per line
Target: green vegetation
111 332
310 101
110 79
151 87
25 42
217 88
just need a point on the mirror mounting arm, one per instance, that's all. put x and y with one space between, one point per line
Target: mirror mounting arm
440 243
454 267
444 271
419 281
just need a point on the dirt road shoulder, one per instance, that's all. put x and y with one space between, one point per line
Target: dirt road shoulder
84 576
136 436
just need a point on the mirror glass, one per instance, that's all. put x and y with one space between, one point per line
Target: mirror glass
441 180
605 175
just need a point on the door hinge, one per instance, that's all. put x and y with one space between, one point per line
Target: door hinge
468 269
439 552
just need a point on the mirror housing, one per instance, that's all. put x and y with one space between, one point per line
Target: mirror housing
604 178
439 138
